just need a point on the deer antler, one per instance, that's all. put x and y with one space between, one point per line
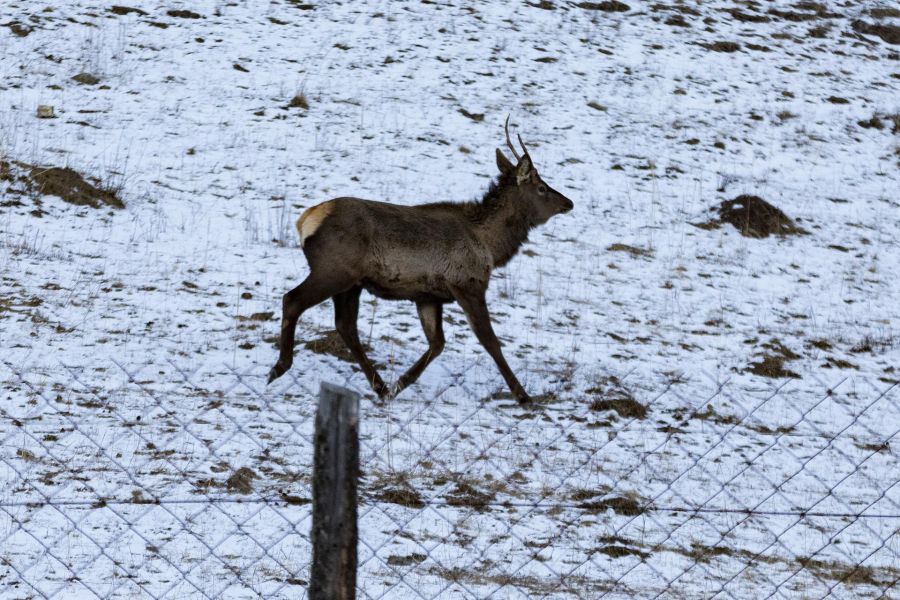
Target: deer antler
509 143
523 143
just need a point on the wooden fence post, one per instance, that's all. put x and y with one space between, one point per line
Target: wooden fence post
335 475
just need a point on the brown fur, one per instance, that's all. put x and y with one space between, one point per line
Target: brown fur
430 254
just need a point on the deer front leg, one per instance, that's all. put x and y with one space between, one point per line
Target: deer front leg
314 289
430 316
346 311
475 307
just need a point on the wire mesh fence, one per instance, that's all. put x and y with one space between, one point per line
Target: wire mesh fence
168 481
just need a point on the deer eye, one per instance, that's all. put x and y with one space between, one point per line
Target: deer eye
542 189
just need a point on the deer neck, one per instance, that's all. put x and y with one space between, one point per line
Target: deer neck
505 224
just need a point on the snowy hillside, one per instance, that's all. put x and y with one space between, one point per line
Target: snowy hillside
718 411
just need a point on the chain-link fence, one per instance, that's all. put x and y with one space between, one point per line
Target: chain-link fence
165 481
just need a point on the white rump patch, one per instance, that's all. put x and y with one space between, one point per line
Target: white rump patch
311 219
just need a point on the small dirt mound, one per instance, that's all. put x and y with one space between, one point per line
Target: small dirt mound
753 217
30 181
72 187
86 78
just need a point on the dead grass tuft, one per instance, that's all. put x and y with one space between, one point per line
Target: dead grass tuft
873 123
628 504
468 495
677 21
124 10
260 316
771 364
874 344
404 561
610 6
739 15
625 407
820 344
895 121
885 12
396 489
332 343
710 414
477 117
6 171
849 574
634 251
612 395
402 496
620 551
819 31
241 481
811 12
184 14
18 29
299 101
888 33
722 46
301 5
481 575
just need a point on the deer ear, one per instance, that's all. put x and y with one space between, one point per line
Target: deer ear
503 163
524 170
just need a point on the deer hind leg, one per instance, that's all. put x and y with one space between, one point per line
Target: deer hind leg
346 309
430 316
475 307
316 288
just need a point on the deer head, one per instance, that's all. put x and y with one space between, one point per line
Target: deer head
539 199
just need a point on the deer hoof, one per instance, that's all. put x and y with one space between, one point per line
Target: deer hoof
380 388
524 399
276 372
387 392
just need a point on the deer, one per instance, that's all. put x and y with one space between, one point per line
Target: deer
431 254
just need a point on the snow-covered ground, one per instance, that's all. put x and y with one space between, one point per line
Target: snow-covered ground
142 454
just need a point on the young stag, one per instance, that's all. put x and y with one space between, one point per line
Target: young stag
431 254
